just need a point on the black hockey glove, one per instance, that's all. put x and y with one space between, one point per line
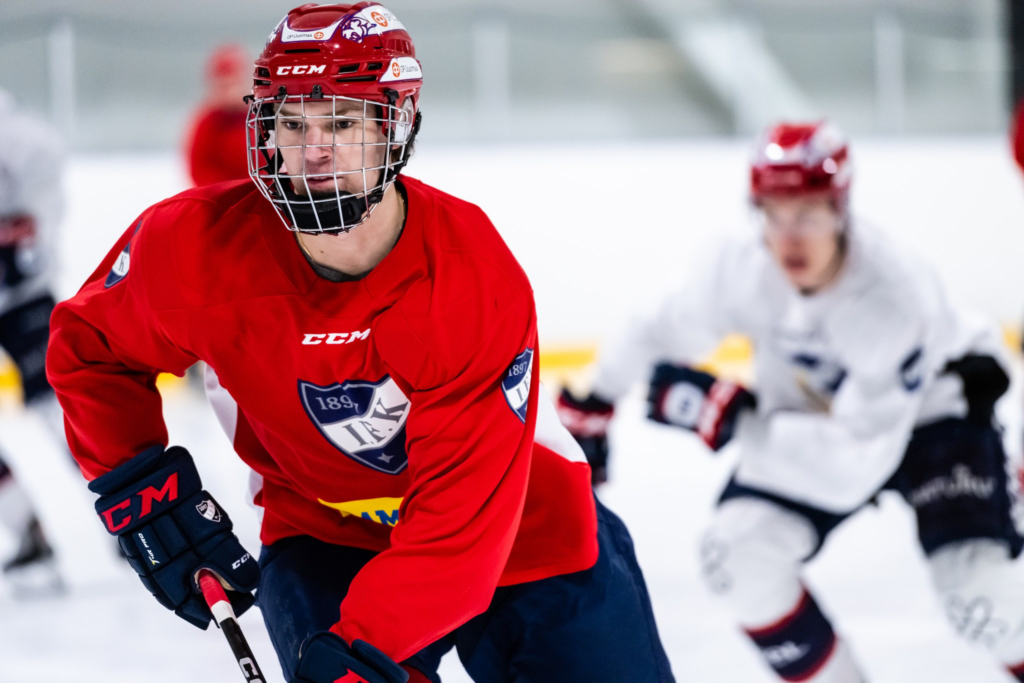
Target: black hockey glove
326 658
587 421
697 401
170 529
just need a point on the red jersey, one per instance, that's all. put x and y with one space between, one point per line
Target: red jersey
1017 134
395 413
216 150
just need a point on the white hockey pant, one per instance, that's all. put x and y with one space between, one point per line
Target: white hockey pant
752 556
982 593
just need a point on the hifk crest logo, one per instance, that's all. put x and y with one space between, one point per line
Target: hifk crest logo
364 420
120 268
209 510
516 383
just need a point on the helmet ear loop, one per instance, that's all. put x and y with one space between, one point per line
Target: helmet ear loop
407 147
264 126
273 163
389 127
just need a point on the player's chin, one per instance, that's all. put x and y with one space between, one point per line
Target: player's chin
329 192
321 187
798 275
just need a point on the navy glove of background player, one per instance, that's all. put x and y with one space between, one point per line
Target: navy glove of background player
697 401
587 421
325 657
170 529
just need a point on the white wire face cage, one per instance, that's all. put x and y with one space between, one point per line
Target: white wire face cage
362 140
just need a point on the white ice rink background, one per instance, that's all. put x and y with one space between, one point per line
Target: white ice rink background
600 230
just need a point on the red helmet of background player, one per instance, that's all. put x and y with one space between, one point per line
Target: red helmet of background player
228 62
317 53
802 159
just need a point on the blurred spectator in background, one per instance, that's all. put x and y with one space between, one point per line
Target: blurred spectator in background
1017 134
215 145
31 208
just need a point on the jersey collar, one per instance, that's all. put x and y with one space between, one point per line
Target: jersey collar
403 264
406 262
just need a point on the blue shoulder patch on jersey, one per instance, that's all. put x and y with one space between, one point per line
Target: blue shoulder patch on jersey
121 265
911 370
516 383
363 420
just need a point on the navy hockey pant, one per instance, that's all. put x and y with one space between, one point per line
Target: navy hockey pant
595 625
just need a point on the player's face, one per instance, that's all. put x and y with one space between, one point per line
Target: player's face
330 143
802 234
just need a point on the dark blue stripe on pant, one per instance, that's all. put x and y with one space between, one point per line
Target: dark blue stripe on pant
798 646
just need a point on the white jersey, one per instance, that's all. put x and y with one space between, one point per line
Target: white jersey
30 184
842 376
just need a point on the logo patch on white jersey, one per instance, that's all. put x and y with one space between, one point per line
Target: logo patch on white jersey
516 383
820 376
912 370
363 420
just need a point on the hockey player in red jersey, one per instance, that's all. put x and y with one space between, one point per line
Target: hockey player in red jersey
215 143
372 363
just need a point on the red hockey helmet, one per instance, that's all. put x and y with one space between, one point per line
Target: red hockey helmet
228 62
801 159
357 64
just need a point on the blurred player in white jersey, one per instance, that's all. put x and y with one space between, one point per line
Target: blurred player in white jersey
31 207
866 379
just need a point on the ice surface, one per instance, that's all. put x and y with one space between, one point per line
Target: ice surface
964 212
870 578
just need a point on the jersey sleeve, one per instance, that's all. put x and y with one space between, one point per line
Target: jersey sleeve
837 460
470 443
686 326
105 352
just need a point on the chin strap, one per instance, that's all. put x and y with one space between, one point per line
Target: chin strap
315 215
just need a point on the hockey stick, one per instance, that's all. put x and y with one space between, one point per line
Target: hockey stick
224 615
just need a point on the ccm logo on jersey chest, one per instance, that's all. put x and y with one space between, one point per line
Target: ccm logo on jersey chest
335 337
